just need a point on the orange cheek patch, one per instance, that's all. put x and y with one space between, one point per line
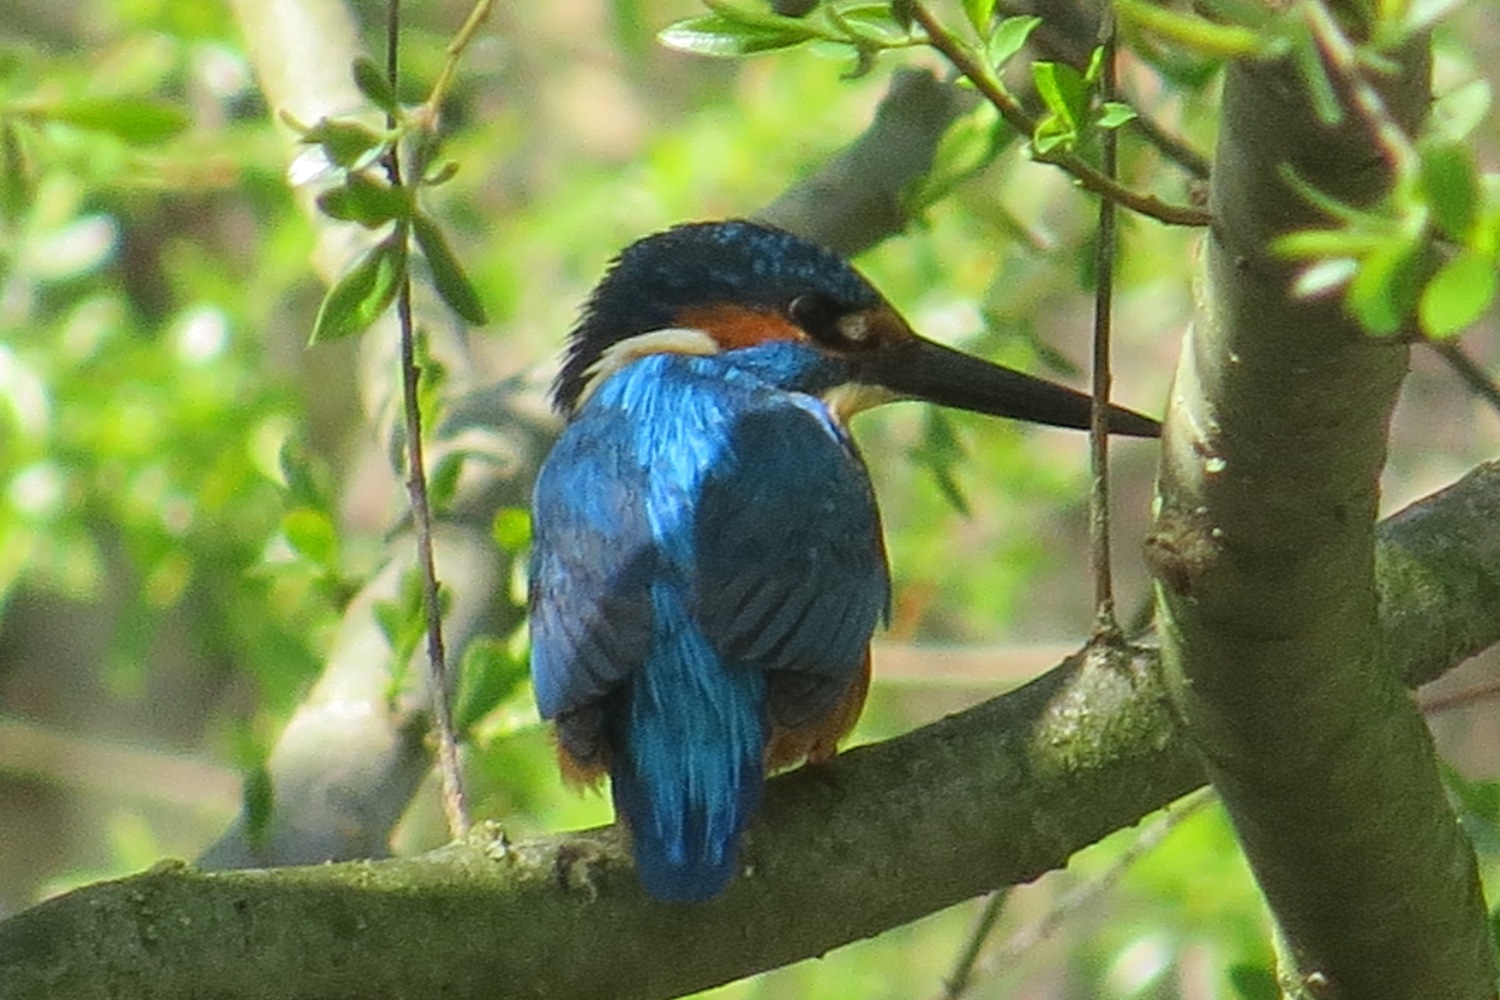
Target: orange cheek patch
736 326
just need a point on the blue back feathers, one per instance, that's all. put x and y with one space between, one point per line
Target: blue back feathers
704 536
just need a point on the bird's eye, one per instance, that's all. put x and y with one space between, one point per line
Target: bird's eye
829 322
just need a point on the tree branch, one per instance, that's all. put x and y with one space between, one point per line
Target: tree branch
882 835
1010 109
1265 549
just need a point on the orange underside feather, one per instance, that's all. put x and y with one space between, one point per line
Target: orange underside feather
815 742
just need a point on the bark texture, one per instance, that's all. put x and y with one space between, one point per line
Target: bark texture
1265 554
885 834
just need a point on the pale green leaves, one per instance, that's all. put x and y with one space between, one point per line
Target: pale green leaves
361 159
364 293
1426 257
732 30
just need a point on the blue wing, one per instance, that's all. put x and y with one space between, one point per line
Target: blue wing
791 571
592 563
706 560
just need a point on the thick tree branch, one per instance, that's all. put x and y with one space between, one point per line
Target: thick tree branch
1265 549
886 833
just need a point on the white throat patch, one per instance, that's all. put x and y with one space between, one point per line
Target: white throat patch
673 340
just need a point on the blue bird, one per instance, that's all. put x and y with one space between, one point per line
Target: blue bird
707 565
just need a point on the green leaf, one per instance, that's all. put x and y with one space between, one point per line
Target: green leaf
1307 56
1063 90
371 81
488 674
940 453
1456 114
312 534
347 144
15 174
725 37
1450 180
447 273
1385 288
1196 34
440 173
511 529
442 481
1458 294
306 482
136 121
1009 38
1095 70
1253 982
364 293
980 13
1324 276
258 799
364 200
1113 114
403 622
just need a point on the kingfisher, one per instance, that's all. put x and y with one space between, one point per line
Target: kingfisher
707 563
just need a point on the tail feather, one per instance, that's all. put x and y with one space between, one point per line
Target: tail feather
688 760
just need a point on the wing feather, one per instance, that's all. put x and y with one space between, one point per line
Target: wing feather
791 572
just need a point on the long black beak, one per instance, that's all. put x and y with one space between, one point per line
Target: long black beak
916 368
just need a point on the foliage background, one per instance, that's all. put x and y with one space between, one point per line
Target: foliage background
167 590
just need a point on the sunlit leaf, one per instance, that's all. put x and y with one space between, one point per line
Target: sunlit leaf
312 534
1324 276
1456 114
15 174
1458 294
365 201
980 13
1009 38
1450 180
488 674
720 36
511 529
1063 90
1114 114
1197 34
447 273
372 82
347 144
1385 288
137 121
363 294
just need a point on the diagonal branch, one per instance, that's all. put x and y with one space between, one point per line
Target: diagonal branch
1010 109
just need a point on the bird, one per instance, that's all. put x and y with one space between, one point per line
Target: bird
707 564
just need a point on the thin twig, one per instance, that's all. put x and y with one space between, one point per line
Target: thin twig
1342 60
958 980
1172 147
1478 380
416 486
1460 699
1106 625
1055 41
1080 897
990 87
477 16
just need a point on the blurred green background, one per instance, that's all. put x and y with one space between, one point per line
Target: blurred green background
160 616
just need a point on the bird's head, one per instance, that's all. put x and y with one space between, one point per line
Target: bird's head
712 287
